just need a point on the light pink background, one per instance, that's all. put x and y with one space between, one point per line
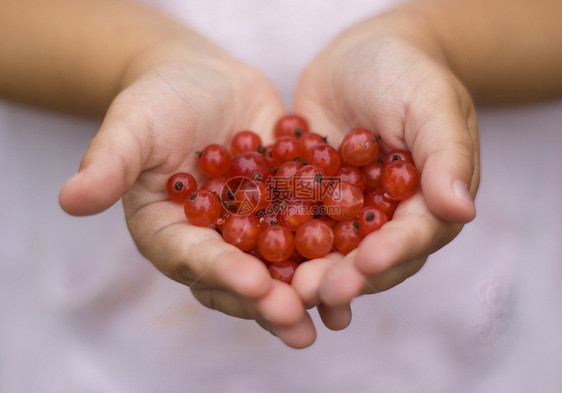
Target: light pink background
81 311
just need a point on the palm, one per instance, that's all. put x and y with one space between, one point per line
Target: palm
413 103
154 129
183 112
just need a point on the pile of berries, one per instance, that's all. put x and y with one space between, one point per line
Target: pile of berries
299 198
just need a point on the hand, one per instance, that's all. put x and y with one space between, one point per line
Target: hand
174 104
408 97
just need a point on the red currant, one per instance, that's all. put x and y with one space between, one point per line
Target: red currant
214 160
371 219
268 155
308 183
202 208
400 180
286 149
290 125
397 155
180 185
276 243
284 270
359 147
283 181
379 199
343 202
327 219
245 141
309 139
314 239
241 231
215 184
251 165
270 218
295 212
347 236
373 175
352 175
324 156
253 195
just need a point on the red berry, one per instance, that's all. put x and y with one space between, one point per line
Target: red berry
371 219
343 202
286 149
268 155
214 160
400 180
347 236
241 231
295 212
309 183
283 181
253 195
324 156
251 165
314 239
290 125
310 139
276 243
373 175
180 185
288 169
397 155
327 219
202 208
224 214
359 147
271 217
352 175
284 270
245 141
215 184
243 196
379 199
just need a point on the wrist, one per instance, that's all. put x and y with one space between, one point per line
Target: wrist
408 24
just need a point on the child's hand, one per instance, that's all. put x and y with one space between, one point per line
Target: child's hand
411 100
173 107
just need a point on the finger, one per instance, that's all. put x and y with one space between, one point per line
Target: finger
442 132
279 306
295 328
284 316
194 255
335 317
401 245
111 164
227 302
308 277
414 232
298 335
343 282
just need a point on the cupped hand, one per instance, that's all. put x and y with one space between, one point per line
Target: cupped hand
409 97
174 104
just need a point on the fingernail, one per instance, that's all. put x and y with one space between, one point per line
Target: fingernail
461 191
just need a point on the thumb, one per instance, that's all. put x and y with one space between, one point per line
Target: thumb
446 149
111 165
